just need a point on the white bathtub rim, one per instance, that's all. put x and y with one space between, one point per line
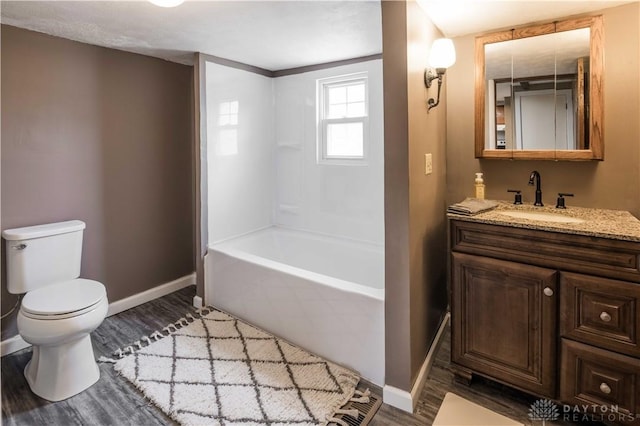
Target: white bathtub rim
327 280
239 236
288 229
323 235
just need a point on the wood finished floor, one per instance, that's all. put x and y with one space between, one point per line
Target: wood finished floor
114 401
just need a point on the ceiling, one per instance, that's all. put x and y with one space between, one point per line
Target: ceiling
274 35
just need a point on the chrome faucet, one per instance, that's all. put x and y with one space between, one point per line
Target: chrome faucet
535 177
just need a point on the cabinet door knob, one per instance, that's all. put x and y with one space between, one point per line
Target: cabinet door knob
548 291
604 316
604 388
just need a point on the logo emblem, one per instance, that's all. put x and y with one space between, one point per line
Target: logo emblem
544 409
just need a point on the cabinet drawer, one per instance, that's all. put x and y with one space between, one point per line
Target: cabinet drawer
600 312
575 253
593 376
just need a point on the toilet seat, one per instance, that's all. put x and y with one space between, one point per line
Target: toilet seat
63 300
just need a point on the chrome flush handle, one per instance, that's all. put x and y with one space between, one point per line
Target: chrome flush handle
19 247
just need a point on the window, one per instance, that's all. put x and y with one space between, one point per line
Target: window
343 119
228 113
227 142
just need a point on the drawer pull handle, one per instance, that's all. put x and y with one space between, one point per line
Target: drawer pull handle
548 291
604 316
604 388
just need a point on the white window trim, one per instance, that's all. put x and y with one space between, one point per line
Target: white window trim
322 122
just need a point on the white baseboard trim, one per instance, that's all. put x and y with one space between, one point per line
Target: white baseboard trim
197 302
151 294
16 343
406 401
397 398
13 344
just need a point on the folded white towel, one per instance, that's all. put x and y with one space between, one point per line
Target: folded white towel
471 206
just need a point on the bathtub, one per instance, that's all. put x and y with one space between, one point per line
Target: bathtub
321 293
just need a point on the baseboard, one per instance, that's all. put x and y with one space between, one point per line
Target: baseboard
398 398
197 302
16 343
151 294
13 344
416 390
404 400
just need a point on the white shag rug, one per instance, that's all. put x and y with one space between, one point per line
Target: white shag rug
218 370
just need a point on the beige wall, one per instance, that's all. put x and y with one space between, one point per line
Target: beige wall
414 202
106 137
613 183
427 231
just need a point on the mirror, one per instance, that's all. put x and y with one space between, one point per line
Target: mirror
538 92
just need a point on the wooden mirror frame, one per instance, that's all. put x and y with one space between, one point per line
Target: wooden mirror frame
596 93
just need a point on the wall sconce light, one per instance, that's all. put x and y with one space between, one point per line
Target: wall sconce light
441 57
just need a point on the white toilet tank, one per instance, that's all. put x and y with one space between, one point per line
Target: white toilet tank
43 254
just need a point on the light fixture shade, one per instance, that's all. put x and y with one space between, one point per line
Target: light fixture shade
167 3
443 53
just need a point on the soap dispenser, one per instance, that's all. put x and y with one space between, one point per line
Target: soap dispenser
479 186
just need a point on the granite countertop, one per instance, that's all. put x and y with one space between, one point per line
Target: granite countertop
613 224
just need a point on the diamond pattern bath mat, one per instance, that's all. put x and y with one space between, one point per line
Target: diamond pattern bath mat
218 370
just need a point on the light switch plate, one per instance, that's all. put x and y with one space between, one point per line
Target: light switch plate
428 164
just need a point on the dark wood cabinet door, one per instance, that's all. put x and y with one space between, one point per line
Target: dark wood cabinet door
504 321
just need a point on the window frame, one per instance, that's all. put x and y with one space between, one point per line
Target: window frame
323 122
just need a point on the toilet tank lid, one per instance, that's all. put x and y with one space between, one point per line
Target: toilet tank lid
46 230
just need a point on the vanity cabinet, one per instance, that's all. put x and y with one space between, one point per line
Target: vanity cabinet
551 313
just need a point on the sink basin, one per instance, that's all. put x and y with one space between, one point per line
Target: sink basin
541 216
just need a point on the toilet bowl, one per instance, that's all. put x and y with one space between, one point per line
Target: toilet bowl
57 320
59 310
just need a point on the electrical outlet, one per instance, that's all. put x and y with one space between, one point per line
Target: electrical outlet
428 164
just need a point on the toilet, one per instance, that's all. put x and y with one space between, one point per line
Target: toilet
59 310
